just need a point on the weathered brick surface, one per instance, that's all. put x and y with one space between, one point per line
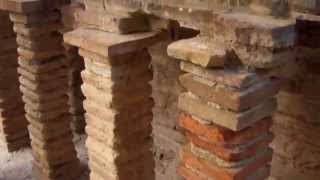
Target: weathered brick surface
228 108
118 102
12 121
44 84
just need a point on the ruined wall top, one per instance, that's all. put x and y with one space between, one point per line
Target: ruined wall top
194 12
276 7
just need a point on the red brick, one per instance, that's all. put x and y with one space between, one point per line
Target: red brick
219 135
215 172
231 153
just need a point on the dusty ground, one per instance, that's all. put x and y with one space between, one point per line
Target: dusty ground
17 166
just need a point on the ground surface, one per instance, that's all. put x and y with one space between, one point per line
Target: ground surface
17 166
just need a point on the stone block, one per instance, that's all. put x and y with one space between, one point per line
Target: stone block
198 51
111 44
235 99
264 31
114 21
228 119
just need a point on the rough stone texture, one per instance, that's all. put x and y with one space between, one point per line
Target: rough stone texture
297 120
167 134
13 124
118 104
228 136
198 51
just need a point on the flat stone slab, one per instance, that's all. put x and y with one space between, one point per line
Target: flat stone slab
223 76
198 51
111 44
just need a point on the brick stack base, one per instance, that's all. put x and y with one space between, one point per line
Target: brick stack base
230 95
44 84
118 104
227 125
13 124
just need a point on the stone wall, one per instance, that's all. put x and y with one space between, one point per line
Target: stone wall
296 124
167 134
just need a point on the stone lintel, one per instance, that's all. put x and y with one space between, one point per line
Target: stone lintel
111 44
252 30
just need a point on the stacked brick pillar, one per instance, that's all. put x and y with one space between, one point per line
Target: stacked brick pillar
44 84
13 125
118 94
230 95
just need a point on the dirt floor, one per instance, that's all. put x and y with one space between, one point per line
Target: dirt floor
17 165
